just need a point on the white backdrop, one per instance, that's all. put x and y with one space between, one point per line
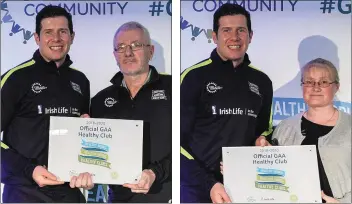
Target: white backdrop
95 23
287 34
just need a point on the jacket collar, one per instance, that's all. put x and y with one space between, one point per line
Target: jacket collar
217 60
38 58
153 76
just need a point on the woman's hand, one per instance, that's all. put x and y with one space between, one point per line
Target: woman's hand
328 199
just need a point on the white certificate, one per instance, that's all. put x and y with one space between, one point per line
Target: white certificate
110 149
278 174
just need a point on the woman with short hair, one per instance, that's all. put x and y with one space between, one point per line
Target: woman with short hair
324 126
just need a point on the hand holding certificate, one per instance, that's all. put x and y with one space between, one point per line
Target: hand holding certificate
109 149
144 184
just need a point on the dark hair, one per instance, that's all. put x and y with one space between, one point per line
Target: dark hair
229 10
49 12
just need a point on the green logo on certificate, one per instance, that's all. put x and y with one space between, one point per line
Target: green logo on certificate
293 198
94 154
114 175
271 179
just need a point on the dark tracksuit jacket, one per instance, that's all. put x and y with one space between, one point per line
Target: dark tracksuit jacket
152 104
221 106
30 94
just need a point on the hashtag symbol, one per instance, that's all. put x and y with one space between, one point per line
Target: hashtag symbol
156 8
327 5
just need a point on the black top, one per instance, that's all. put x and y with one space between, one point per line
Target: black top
152 104
30 94
221 106
312 132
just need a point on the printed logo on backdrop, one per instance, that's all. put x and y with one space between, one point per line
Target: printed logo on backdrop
286 107
325 6
98 194
155 8
16 28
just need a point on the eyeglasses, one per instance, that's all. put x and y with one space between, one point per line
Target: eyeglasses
321 84
134 47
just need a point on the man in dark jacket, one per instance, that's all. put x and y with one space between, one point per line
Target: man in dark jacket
225 102
41 87
139 92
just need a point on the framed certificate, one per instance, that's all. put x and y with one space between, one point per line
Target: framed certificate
277 174
109 149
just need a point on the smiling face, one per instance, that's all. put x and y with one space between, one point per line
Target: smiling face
233 37
317 96
55 39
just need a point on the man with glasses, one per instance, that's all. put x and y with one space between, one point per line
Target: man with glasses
139 92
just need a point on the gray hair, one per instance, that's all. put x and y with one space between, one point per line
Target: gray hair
322 63
132 25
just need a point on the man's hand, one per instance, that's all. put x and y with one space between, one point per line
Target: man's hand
85 116
144 184
83 180
218 194
328 199
44 178
261 141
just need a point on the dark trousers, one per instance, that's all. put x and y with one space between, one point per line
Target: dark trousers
194 194
35 194
158 193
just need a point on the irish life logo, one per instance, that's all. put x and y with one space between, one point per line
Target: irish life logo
94 154
271 179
